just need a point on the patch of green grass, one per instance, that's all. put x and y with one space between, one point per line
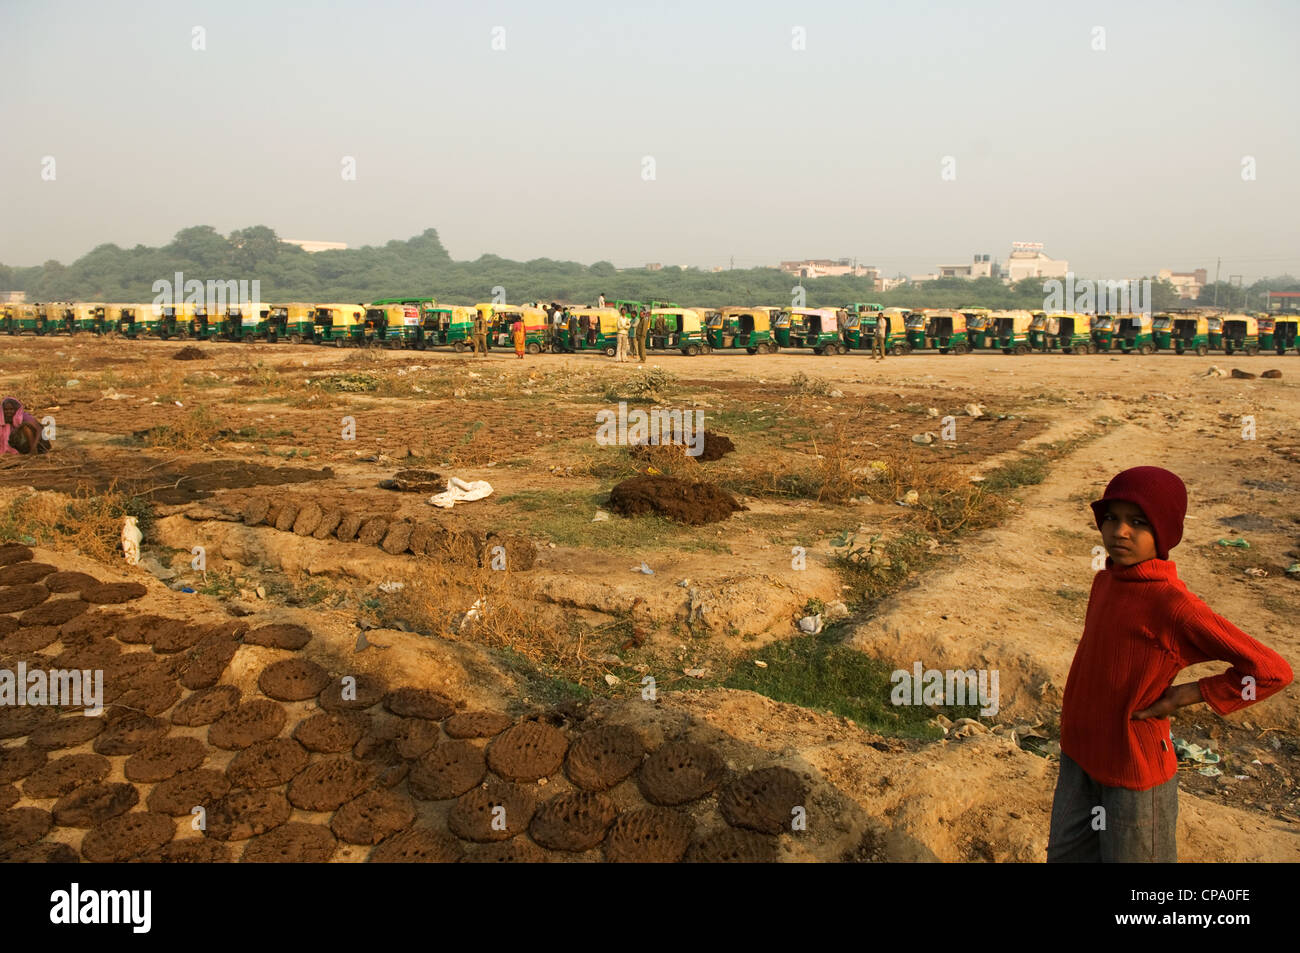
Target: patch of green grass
820 673
541 687
1029 470
564 517
876 570
219 585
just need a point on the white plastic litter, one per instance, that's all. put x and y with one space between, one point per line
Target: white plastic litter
812 624
392 586
600 516
131 537
644 569
459 491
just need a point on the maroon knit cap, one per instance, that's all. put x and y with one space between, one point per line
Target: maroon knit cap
1162 496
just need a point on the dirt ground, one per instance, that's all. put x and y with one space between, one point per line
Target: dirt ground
248 450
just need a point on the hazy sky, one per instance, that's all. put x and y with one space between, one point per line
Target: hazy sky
1124 161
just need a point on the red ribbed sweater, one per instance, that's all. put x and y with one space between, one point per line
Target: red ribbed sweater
1143 627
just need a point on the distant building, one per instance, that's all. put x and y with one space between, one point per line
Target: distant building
654 266
314 246
828 268
13 297
1028 261
917 279
1188 284
981 267
1282 300
889 284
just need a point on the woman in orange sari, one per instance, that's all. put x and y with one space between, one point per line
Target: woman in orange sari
519 339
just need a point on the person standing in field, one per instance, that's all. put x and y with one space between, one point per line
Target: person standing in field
624 324
520 339
480 333
878 339
642 331
1117 793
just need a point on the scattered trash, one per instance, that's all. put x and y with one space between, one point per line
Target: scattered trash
392 586
131 537
1257 572
1210 771
261 593
910 498
1238 542
932 412
1238 777
600 516
1216 371
835 393
178 403
695 672
475 611
643 569
72 383
811 624
612 680
1293 569
759 663
686 583
925 439
835 611
974 410
459 491
1187 751
185 589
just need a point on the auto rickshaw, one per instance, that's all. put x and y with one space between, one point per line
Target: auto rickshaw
1103 327
600 333
815 328
202 324
1286 332
1240 333
1267 342
1133 334
177 321
248 322
1190 332
947 331
7 318
679 329
135 320
1162 331
445 325
501 323
1011 331
398 324
1069 333
87 316
339 324
862 309
21 319
978 326
748 328
57 318
1036 336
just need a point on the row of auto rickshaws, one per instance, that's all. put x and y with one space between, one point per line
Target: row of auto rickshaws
424 323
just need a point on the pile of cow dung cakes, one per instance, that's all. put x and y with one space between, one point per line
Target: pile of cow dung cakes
712 446
313 760
683 501
306 517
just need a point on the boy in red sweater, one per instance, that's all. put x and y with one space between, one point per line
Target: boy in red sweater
1117 794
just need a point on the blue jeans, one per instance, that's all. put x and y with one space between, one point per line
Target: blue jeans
1093 823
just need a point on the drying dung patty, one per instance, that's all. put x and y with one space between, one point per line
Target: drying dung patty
476 724
294 843
30 639
284 520
134 630
67 732
87 654
163 759
128 731
308 519
155 691
8 796
651 835
267 764
253 721
206 706
176 635
273 512
492 812
68 581
372 817
421 533
682 501
8 624
53 612
46 852
179 795
18 598
574 822
113 593
352 692
419 703
680 772
330 732
528 751
16 722
21 826
397 538
420 846
255 511
191 850
244 814
293 679
329 784
730 846
602 758
130 665
203 665
25 573
415 737
517 851
329 522
447 771
89 805
11 553
348 526
372 531
281 635
21 761
127 836
62 775
763 800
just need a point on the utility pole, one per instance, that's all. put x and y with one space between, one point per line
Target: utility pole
1217 263
733 262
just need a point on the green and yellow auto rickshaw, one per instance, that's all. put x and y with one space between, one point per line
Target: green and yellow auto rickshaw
978 326
21 318
249 322
87 316
57 317
1133 334
1240 333
1011 331
946 330
678 329
1103 330
1286 332
174 322
396 325
1162 331
295 321
1267 341
1068 333
1190 332
748 328
446 325
135 320
341 325
593 329
815 328
1036 336
501 326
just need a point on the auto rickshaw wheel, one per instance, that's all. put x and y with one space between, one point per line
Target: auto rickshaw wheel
943 350
295 338
534 348
1147 349
692 350
1252 349
1178 349
1021 349
459 347
1092 348
751 350
1202 350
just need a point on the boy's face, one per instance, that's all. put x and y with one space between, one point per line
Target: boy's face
1127 534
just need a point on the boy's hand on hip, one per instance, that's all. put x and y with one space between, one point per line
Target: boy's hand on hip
1175 697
